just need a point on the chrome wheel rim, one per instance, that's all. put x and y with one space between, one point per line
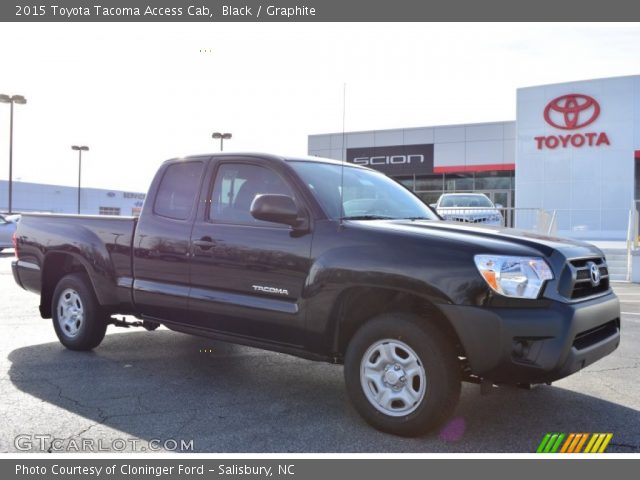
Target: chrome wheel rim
70 312
393 378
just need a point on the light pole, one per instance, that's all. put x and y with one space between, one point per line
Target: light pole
80 149
11 100
222 137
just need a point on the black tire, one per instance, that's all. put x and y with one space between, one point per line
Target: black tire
93 322
435 354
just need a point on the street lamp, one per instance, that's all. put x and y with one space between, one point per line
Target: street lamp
222 137
20 100
79 149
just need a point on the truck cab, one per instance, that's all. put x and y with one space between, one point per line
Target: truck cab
331 262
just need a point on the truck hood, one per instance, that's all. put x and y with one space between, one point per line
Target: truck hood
492 236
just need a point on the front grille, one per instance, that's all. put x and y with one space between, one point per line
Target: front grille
469 220
579 276
584 274
594 335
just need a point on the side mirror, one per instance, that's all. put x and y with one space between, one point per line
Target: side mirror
276 209
433 205
499 205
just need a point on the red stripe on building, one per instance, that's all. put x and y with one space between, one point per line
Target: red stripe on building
476 168
637 154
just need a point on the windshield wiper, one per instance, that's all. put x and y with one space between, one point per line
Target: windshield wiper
368 217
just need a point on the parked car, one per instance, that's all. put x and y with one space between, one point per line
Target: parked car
8 225
329 262
469 208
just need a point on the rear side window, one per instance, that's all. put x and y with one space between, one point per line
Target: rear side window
178 189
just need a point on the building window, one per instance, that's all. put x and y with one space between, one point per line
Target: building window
458 181
109 211
496 180
406 181
429 183
430 198
498 185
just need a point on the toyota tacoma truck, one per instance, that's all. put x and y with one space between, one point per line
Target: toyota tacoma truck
331 262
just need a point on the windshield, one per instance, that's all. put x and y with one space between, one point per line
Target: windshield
367 194
465 201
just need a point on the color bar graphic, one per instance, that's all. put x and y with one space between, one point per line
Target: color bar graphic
552 442
581 443
598 443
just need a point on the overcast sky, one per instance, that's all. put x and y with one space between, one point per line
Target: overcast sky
138 94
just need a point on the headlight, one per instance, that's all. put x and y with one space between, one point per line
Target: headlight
517 277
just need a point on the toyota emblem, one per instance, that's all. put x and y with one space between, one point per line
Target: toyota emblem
594 274
570 112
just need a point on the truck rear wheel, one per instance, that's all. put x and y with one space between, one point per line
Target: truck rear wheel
402 374
78 320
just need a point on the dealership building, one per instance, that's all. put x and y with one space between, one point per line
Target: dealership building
45 198
572 150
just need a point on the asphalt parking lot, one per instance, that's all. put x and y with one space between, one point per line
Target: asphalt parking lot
171 388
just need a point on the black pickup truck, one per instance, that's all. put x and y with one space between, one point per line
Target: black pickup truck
329 262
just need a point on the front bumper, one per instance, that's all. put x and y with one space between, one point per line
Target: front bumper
535 345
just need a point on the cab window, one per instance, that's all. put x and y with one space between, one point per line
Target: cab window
236 186
178 189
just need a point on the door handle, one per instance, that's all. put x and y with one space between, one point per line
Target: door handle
205 243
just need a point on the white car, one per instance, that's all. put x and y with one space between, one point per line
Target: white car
474 208
8 225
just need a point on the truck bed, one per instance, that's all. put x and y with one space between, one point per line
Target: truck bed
102 244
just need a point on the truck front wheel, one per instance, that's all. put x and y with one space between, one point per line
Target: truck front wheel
402 374
78 320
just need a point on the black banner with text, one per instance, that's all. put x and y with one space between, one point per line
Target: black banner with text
314 11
